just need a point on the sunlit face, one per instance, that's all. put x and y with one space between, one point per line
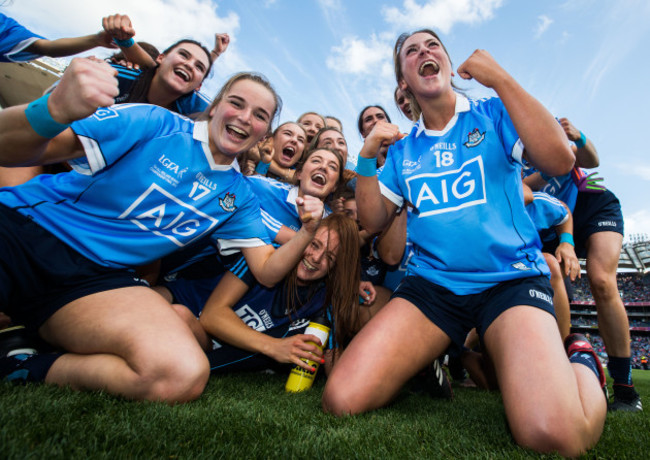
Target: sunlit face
369 119
240 120
332 123
425 66
320 174
334 140
288 144
319 256
312 124
403 104
183 69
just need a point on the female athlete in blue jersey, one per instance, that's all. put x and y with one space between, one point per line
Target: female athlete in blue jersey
278 155
171 80
477 258
598 238
318 175
152 182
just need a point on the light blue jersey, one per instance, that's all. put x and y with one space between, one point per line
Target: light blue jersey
561 187
469 227
278 202
14 39
147 187
546 212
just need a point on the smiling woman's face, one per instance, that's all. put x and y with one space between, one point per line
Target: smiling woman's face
319 256
240 120
183 68
320 174
288 144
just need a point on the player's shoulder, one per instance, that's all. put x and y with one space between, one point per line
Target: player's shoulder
267 183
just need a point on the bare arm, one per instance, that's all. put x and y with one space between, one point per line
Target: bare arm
219 320
535 181
565 252
392 243
287 175
85 86
119 26
221 42
284 235
69 46
374 210
586 155
271 265
544 139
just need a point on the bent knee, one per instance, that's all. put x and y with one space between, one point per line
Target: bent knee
175 379
548 437
338 400
603 288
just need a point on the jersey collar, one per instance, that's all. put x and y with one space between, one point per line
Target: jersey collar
462 105
292 195
200 134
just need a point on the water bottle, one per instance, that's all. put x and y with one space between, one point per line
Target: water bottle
301 379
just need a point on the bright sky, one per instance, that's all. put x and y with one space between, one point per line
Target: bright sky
583 59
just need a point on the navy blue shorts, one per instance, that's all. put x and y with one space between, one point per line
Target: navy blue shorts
193 293
456 314
593 213
39 274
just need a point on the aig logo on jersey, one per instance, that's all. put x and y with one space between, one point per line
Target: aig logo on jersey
437 193
162 213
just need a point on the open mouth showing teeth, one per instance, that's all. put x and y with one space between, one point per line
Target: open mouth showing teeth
288 152
181 73
308 266
319 179
235 131
429 68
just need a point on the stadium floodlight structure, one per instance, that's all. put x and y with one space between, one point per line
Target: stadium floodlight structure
635 257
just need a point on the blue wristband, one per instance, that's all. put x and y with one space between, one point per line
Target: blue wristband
366 167
40 119
582 141
567 238
125 43
262 168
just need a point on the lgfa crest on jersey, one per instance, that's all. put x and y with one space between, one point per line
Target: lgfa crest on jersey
227 203
474 138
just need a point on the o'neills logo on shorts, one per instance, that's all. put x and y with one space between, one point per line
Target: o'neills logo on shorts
540 295
607 223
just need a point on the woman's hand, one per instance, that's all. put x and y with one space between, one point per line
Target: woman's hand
381 135
296 348
566 256
482 67
221 42
118 26
310 210
266 150
367 293
85 86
